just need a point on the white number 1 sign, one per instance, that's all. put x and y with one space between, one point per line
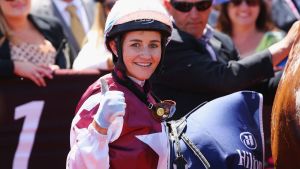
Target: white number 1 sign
32 112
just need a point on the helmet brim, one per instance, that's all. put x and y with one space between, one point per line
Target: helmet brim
141 24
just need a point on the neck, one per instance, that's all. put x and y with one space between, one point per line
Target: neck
243 32
249 36
18 23
139 82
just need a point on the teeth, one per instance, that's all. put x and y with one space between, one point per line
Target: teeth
143 64
243 14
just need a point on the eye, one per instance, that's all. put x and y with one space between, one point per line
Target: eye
154 45
137 45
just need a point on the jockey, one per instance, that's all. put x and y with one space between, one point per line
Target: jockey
119 123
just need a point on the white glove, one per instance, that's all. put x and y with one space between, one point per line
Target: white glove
112 105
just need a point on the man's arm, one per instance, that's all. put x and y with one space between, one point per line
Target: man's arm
282 48
190 69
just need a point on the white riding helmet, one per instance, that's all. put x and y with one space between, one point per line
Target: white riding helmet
131 15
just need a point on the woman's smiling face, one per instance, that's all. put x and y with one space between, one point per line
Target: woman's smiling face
141 53
243 14
20 8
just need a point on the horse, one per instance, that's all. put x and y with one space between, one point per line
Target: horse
285 121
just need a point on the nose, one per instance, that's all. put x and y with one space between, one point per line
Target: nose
194 13
145 53
244 4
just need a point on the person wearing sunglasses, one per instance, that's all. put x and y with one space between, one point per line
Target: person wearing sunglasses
248 21
202 64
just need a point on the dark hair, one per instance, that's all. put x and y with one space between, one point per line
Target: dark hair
263 21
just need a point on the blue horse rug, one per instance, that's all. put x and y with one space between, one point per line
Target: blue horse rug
225 133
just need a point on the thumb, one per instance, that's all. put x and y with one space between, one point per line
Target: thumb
104 86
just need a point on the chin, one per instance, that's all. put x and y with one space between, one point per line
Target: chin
142 78
142 74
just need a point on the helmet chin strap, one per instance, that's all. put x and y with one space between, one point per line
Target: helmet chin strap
163 49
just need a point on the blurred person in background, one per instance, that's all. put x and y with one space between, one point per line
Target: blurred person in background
94 54
202 64
249 25
215 12
284 13
75 16
32 45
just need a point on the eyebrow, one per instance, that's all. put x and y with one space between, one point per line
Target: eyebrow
138 40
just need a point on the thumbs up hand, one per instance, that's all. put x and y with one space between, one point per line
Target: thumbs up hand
112 105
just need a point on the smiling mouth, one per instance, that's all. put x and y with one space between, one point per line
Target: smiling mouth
143 64
244 14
